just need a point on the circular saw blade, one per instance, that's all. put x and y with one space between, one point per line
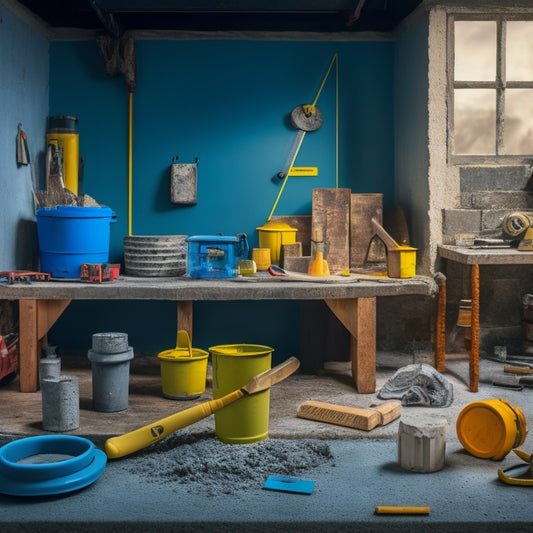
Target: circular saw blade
304 120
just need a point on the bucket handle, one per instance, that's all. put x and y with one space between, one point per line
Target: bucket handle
183 341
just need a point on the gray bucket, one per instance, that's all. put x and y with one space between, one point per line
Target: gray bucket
155 255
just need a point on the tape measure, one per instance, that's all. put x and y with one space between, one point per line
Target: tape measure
515 224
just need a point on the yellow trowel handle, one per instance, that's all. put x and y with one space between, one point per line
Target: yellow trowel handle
134 441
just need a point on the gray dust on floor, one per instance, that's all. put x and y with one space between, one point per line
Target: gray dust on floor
208 466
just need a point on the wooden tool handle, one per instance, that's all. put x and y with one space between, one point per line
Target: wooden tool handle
134 441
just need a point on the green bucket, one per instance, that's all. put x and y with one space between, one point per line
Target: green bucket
246 420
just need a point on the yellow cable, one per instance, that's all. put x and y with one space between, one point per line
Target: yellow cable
334 59
130 158
286 177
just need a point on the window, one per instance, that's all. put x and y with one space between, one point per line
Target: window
490 70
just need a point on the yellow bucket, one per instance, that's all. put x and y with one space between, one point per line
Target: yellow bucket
272 235
246 420
183 370
490 429
401 262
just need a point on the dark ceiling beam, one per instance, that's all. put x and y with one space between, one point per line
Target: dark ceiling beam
110 24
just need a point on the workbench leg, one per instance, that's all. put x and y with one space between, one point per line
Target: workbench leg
36 317
474 348
185 317
359 318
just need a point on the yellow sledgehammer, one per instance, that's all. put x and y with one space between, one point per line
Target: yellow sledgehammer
134 441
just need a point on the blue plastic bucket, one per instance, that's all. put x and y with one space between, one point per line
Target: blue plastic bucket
70 236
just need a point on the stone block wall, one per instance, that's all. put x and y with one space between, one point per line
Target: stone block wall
488 194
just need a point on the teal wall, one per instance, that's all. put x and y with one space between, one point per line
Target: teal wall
24 99
226 102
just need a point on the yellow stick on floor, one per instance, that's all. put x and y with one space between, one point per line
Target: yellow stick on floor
392 509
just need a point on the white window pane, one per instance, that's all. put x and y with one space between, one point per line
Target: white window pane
475 50
519 51
518 125
475 121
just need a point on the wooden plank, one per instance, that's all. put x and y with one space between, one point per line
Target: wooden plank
363 248
359 317
28 346
36 317
353 417
303 224
330 227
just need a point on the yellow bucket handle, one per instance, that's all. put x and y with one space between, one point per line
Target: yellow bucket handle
183 341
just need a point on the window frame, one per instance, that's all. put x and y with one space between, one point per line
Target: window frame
500 84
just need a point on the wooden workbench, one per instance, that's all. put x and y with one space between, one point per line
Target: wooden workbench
353 302
475 257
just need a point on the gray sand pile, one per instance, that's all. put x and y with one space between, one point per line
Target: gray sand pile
206 465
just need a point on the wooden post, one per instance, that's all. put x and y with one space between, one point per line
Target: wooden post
440 334
36 317
359 317
474 349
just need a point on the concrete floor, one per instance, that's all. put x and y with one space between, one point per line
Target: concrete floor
465 496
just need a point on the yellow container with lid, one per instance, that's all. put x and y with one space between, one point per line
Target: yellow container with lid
490 429
62 134
272 235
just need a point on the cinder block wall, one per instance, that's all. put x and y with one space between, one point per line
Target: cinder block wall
488 194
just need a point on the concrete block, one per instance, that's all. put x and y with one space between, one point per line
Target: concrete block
61 403
494 178
49 367
422 443
110 342
297 264
457 221
514 200
491 219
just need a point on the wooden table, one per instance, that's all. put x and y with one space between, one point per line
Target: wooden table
475 257
353 302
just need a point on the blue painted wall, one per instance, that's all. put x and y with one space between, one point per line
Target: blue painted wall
227 103
24 99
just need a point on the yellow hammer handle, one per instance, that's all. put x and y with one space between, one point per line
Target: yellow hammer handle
134 441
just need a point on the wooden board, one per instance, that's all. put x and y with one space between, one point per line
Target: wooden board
363 247
353 417
330 227
303 224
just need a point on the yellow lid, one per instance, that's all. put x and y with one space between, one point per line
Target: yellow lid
276 226
490 429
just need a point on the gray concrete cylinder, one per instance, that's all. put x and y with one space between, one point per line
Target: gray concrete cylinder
422 444
61 403
110 342
110 377
49 367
